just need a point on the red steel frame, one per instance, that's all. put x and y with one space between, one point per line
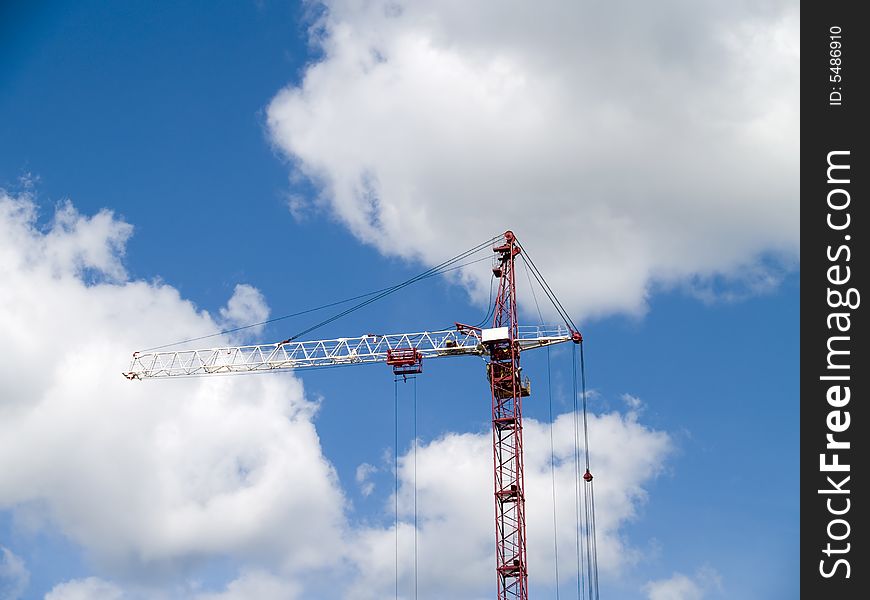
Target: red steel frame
507 433
406 357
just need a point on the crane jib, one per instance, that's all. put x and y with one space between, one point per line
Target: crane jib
369 348
500 346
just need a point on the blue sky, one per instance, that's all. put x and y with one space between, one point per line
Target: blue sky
168 116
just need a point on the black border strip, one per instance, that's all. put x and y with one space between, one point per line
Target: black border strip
834 226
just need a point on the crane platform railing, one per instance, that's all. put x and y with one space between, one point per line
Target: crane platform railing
369 348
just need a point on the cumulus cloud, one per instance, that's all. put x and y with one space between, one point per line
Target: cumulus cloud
629 146
153 479
683 587
632 402
86 589
256 584
454 501
245 307
144 476
14 576
363 475
251 583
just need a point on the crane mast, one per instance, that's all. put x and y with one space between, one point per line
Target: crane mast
500 345
508 390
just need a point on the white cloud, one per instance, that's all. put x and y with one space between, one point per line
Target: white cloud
90 588
629 146
256 584
454 500
251 583
246 306
144 476
151 479
363 475
678 587
14 576
683 587
632 402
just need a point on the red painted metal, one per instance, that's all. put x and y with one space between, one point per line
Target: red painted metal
507 432
405 361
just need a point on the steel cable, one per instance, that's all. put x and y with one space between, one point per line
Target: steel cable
441 269
396 473
553 472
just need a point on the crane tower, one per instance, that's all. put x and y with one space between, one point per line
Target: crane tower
501 344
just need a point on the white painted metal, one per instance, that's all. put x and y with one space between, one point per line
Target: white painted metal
497 334
369 348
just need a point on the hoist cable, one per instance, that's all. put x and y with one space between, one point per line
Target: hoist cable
594 540
553 472
396 473
434 270
547 289
415 488
552 442
583 388
578 523
266 322
588 536
590 524
426 275
552 298
590 547
535 298
560 310
490 305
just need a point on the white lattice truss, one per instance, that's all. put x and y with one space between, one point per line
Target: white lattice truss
369 348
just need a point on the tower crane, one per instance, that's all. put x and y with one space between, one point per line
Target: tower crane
501 345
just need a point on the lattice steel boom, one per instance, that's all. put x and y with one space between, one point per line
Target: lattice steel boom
499 345
368 348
